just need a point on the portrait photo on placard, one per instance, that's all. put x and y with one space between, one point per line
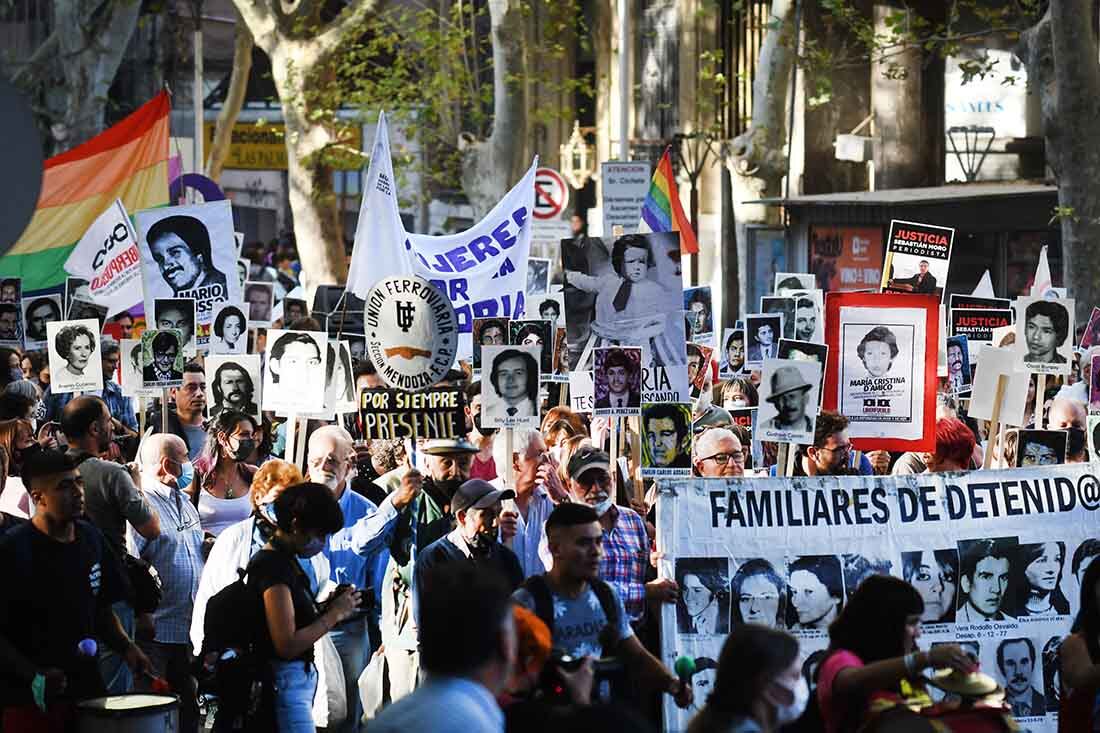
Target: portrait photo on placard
700 313
295 371
489 332
80 309
11 290
815 592
809 319
1040 447
1016 665
357 345
339 379
704 603
547 307
794 281
805 351
229 333
858 567
666 439
1043 568
758 592
233 383
790 393
986 583
510 386
935 575
260 299
75 287
538 275
699 357
131 366
917 258
11 325
561 357
732 362
162 358
177 313
1044 335
534 333
294 310
617 380
73 347
244 267
37 313
784 307
1052 672
958 365
762 334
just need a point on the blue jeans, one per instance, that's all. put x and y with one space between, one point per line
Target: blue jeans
352 643
117 677
295 686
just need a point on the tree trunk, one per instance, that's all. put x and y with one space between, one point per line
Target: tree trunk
490 167
234 99
92 36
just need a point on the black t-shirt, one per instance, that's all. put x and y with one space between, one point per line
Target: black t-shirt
269 568
50 593
10 522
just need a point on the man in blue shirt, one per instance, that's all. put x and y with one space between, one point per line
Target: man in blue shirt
357 554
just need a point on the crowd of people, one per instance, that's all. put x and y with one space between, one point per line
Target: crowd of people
469 583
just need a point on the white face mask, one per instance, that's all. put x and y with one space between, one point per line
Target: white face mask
603 507
793 710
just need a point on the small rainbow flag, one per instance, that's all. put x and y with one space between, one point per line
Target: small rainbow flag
662 211
128 161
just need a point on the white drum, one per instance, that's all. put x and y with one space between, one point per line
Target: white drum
137 713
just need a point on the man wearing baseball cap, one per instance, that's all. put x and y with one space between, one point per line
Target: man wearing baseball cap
476 506
790 393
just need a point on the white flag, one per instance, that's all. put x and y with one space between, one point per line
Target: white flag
107 256
985 287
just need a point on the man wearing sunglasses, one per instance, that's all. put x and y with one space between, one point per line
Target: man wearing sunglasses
718 454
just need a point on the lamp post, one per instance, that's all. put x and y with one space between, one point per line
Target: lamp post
578 159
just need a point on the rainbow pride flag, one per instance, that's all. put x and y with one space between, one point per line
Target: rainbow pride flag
662 211
128 161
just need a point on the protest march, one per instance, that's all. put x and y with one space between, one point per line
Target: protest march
484 483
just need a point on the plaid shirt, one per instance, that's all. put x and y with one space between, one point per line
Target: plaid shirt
626 549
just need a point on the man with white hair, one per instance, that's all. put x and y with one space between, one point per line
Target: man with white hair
718 454
538 490
1068 414
357 554
176 553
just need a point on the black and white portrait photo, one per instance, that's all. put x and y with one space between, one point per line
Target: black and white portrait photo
538 275
704 603
80 309
935 575
260 299
11 325
985 579
794 281
339 379
357 345
75 287
75 365
1044 335
535 333
858 567
295 372
510 386
11 290
759 593
130 366
762 334
233 383
1038 585
733 353
805 351
162 358
666 439
617 380
177 313
37 313
700 313
777 305
1052 673
489 332
243 269
229 332
1040 447
815 592
294 310
1019 670
789 398
547 307
808 314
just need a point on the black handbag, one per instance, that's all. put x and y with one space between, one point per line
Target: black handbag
146 590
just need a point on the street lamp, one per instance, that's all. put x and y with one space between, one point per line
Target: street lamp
578 159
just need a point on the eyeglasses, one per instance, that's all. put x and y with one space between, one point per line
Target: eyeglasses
723 458
839 449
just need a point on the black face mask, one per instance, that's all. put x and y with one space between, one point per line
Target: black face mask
448 487
244 450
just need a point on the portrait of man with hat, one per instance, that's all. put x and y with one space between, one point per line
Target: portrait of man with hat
788 391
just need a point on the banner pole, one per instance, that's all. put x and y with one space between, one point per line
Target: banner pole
781 459
636 461
300 443
509 469
792 453
164 410
288 446
987 459
1040 400
141 415
614 456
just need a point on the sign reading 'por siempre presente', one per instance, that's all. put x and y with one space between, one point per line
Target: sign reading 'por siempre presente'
390 414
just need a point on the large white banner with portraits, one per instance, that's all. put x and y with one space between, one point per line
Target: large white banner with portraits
997 557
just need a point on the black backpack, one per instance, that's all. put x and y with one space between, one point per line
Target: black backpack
544 608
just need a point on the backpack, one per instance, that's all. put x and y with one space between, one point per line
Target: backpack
537 586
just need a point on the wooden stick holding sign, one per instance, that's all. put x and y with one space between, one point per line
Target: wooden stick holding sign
614 445
1040 400
300 444
141 416
792 455
636 458
291 425
164 410
995 427
781 459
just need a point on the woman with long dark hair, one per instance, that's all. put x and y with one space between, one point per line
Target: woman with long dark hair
873 647
1040 592
1080 661
224 471
759 686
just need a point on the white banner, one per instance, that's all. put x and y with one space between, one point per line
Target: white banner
107 256
997 557
482 271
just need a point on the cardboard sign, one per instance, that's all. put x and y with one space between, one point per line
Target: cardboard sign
390 414
977 324
917 258
412 332
75 364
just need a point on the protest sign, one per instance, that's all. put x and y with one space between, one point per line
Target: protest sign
561 357
1037 448
412 333
260 299
789 398
162 358
977 325
699 365
11 290
1091 336
1094 434
549 306
666 440
190 252
630 295
1044 335
233 383
130 366
882 376
538 276
510 386
778 305
809 318
37 312
293 309
958 365
794 281
766 542
762 331
535 333
75 365
11 324
177 313
390 414
294 372
1094 385
79 308
229 332
617 380
75 287
488 332
482 271
700 314
340 381
108 258
999 362
917 258
960 300
744 417
806 351
733 353
624 186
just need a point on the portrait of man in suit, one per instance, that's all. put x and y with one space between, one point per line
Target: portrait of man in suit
1016 663
233 389
763 333
180 245
622 378
165 347
514 376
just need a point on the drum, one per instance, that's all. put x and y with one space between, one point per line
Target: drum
137 713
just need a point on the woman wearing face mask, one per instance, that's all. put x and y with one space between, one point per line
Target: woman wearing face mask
17 438
224 471
739 393
759 686
12 367
305 514
873 647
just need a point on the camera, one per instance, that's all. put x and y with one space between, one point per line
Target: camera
366 600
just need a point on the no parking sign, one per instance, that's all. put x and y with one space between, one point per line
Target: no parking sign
551 194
